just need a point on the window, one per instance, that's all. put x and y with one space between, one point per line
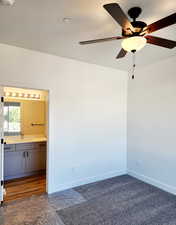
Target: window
12 124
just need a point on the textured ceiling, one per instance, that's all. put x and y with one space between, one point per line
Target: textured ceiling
38 25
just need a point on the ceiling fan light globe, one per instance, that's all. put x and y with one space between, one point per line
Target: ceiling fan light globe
133 43
7 2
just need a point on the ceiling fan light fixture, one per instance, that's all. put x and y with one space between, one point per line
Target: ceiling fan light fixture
7 2
134 43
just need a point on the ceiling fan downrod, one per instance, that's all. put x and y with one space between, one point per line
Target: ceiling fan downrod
134 13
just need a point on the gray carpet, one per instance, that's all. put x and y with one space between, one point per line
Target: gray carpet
121 201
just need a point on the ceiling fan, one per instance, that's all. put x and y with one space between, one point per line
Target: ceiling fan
135 33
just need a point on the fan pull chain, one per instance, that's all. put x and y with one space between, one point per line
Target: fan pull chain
134 63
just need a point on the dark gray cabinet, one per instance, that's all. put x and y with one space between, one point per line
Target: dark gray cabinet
36 160
14 164
24 159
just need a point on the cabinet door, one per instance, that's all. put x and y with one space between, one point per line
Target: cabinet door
36 160
14 164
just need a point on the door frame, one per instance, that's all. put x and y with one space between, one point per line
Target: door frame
1 145
47 127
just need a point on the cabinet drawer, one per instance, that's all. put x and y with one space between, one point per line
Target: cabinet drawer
25 146
40 145
9 148
31 146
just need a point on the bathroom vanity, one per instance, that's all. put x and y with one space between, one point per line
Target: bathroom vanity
24 157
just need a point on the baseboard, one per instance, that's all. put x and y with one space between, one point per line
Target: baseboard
88 180
7 178
154 182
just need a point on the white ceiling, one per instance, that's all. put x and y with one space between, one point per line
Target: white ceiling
38 25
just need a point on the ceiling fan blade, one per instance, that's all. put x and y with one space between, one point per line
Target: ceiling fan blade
117 13
121 54
100 40
165 22
160 41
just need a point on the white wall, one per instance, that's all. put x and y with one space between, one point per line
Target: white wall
87 113
152 124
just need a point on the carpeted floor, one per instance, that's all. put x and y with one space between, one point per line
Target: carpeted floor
121 201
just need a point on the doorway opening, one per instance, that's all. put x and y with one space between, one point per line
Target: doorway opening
25 128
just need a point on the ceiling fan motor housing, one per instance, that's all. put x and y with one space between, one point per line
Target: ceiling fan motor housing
138 28
137 25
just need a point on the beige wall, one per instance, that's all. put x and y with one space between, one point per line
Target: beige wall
32 111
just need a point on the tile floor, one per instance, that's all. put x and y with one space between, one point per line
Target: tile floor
38 210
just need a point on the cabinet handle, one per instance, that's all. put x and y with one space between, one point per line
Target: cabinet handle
24 154
27 154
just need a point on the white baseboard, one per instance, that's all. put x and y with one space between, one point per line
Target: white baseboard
154 182
88 180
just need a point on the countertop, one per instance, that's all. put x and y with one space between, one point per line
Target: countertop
24 139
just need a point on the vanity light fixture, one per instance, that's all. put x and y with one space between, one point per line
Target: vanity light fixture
25 95
14 94
37 96
22 95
